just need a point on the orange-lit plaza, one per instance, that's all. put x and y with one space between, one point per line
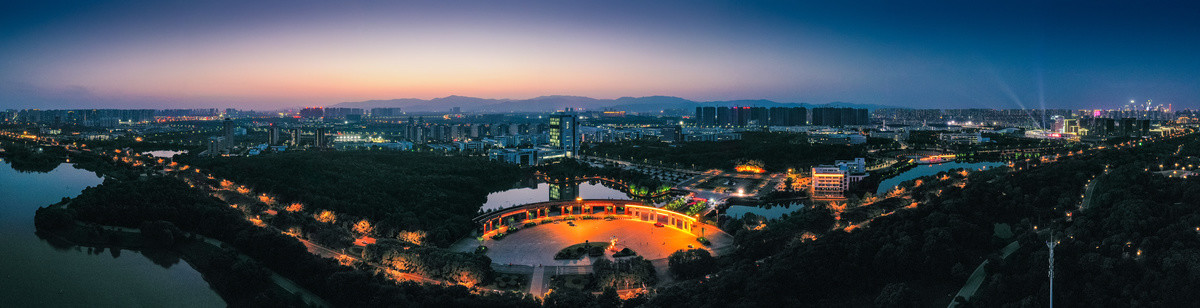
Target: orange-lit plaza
537 245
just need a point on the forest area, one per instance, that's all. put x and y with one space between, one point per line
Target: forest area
396 191
1145 231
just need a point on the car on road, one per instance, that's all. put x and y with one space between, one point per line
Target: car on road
659 224
571 223
610 218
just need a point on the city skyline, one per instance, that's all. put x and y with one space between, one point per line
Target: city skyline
266 55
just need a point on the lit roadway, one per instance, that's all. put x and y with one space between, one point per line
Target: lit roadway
323 251
326 252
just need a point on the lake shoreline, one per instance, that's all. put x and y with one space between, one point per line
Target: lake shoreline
194 250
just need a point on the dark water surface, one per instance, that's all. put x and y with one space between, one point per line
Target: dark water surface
46 273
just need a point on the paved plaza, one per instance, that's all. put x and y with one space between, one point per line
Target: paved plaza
537 245
717 184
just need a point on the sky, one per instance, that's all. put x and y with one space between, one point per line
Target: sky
917 54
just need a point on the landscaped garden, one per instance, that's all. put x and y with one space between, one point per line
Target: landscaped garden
574 252
511 282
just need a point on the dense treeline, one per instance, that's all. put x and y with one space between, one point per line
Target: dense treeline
1136 244
395 190
34 159
463 268
30 158
778 152
917 256
633 272
131 203
639 183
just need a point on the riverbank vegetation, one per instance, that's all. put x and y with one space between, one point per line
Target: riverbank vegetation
33 159
132 203
239 281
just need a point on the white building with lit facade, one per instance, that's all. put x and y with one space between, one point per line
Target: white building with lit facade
832 181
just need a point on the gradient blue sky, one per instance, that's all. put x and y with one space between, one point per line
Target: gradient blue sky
265 54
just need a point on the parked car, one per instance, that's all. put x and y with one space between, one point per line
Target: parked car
659 224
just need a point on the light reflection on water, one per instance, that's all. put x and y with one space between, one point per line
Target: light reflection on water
51 273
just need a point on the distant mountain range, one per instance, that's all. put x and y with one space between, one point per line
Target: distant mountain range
558 102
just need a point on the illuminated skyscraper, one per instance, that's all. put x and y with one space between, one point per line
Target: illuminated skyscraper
564 132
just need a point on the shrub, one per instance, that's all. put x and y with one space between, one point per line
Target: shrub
626 252
689 264
595 251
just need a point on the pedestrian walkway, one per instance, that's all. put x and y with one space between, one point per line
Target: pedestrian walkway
979 275
537 285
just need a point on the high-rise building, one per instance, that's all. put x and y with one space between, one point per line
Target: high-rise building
273 135
216 146
386 112
743 116
227 132
723 117
321 140
710 116
1128 126
759 116
828 116
296 137
707 116
564 132
342 113
797 116
779 116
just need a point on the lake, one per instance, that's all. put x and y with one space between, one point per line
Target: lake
737 211
543 192
38 274
924 170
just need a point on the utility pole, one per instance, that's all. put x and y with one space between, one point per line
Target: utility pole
1051 243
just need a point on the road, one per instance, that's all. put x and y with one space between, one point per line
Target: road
980 275
1089 192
